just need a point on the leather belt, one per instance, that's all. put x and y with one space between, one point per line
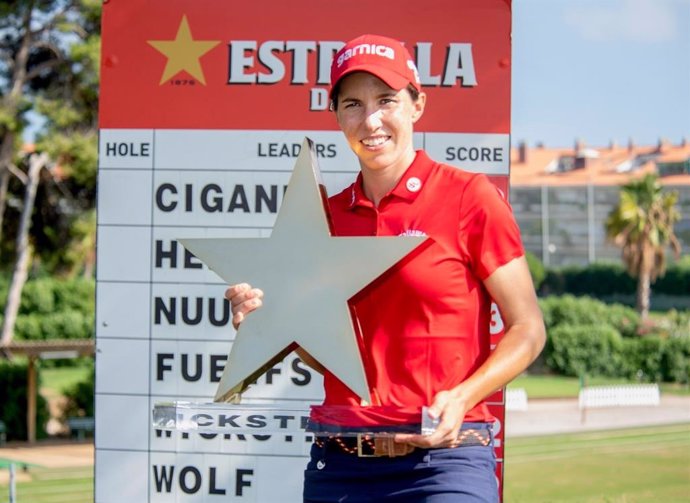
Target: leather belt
373 446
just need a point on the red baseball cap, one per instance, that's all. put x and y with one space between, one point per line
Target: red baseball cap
384 57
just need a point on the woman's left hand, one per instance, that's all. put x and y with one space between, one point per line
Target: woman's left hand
450 411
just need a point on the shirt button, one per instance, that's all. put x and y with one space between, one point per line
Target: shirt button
413 184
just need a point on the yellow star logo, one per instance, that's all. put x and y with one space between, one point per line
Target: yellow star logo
183 53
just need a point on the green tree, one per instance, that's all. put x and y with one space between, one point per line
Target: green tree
27 55
643 226
66 229
49 60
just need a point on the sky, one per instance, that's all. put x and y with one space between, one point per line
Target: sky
600 71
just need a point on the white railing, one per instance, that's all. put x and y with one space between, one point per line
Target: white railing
13 484
516 399
619 396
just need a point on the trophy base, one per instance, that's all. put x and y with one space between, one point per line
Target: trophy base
263 419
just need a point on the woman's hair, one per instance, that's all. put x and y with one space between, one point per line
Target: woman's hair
414 94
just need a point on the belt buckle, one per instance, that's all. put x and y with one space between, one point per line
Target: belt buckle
360 450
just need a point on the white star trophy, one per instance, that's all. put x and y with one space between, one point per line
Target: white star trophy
308 275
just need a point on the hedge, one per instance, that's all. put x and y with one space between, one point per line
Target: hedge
595 279
80 398
47 295
607 279
658 359
574 350
675 362
536 269
580 311
13 397
676 281
54 309
60 325
585 335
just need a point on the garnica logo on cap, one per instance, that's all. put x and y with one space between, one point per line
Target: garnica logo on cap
378 50
413 67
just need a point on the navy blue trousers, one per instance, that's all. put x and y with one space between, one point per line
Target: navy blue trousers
459 475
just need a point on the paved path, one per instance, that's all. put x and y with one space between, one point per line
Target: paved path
51 455
543 417
63 455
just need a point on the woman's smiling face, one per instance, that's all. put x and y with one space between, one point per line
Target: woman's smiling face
378 121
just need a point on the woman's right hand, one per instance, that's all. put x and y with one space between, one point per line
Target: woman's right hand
243 299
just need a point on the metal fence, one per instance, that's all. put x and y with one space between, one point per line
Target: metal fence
564 225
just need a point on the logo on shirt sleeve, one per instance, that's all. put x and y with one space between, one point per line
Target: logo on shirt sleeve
412 232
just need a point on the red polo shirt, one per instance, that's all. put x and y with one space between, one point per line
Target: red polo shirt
425 324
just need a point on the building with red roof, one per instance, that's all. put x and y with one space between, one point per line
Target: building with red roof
562 196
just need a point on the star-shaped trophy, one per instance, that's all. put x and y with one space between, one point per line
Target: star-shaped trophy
307 276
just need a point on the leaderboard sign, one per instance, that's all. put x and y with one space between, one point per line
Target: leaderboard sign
204 106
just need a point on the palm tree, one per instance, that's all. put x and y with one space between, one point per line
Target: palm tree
642 225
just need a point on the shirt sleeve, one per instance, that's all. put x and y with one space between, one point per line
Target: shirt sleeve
488 234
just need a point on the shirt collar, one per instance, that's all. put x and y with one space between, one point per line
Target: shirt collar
408 187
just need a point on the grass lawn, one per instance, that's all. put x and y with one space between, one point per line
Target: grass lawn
5 463
540 386
637 465
640 465
54 381
54 485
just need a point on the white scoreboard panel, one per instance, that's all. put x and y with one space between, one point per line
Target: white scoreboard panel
163 326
